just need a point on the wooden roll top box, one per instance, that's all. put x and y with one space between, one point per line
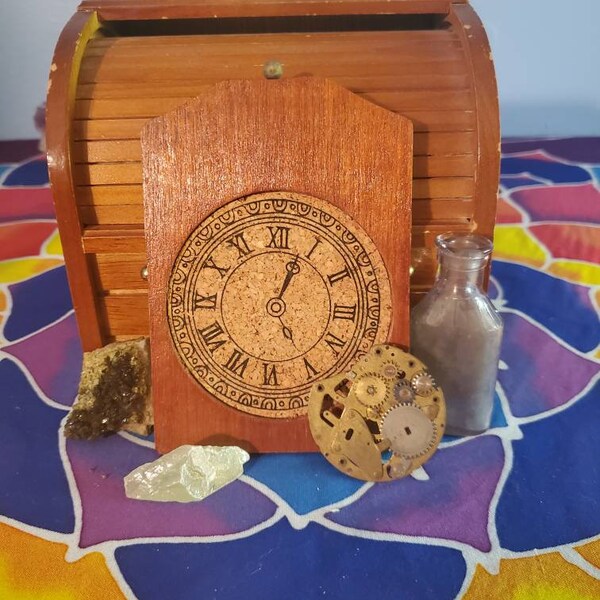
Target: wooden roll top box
119 63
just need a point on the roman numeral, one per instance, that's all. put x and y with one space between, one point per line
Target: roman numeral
269 374
317 242
310 370
239 243
201 301
334 342
210 335
209 263
344 312
237 363
338 276
279 237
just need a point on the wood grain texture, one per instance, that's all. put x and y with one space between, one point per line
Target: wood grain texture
393 60
301 135
127 173
425 144
129 128
193 9
124 314
60 102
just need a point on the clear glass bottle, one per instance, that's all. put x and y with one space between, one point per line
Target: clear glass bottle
457 332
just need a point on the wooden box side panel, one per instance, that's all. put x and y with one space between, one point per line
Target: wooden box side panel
62 86
356 159
485 92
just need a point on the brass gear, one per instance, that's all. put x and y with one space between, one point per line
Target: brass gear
409 430
423 383
392 371
371 389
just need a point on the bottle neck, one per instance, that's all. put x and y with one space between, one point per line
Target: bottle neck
454 272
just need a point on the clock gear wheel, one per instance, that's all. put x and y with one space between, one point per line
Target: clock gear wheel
409 430
423 383
393 371
384 403
371 389
403 391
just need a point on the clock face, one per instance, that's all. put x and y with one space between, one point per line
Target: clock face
271 293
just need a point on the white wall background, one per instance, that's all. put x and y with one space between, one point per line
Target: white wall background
547 55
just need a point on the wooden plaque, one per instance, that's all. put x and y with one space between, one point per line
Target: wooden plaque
278 231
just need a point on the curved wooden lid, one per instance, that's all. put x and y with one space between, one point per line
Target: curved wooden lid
199 9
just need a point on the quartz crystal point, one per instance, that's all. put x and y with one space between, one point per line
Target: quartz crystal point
114 392
186 474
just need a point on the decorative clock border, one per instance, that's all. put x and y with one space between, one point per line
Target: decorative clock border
314 214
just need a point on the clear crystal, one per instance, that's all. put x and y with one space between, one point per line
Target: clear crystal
186 474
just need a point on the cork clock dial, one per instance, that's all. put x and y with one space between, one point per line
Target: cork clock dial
271 293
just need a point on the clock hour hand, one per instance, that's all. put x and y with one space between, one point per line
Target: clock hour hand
292 268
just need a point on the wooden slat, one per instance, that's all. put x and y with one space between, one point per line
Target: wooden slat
268 41
130 214
107 151
424 235
444 143
124 314
108 173
130 239
424 211
444 166
120 128
125 108
443 187
107 129
112 240
345 66
189 9
130 150
131 173
444 209
402 102
121 338
316 49
190 89
122 51
108 196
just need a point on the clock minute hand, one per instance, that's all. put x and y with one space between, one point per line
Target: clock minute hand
287 332
292 269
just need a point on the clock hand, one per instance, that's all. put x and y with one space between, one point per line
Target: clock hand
287 332
292 268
